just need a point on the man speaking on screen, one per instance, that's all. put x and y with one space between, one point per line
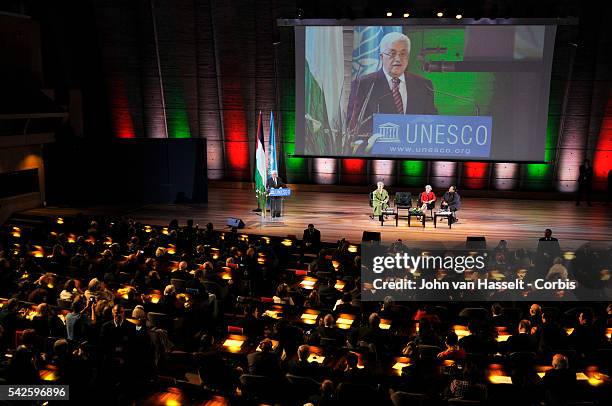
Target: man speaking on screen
390 90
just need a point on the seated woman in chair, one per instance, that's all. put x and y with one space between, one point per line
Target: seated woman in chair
451 201
428 199
380 200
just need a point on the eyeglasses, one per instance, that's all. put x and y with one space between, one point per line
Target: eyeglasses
395 54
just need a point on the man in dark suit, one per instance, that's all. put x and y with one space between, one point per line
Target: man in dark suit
118 338
328 293
523 341
451 201
372 334
264 362
301 366
497 316
311 239
585 338
274 182
327 329
390 90
548 250
560 382
585 180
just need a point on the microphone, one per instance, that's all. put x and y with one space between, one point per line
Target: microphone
467 99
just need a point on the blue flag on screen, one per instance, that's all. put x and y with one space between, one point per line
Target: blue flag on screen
415 136
272 162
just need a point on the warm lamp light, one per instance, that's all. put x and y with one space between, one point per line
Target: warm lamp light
461 331
308 282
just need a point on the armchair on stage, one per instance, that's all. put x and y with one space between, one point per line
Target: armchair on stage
275 200
403 201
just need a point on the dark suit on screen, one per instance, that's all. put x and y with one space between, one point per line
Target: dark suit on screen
420 99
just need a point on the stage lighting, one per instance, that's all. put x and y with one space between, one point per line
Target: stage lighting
389 14
440 14
406 15
458 16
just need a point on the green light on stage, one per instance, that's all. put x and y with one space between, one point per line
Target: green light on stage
413 168
539 175
412 173
538 171
178 125
296 167
469 88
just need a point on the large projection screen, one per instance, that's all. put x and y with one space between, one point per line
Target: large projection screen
451 92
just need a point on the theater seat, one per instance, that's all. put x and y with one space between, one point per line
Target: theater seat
261 388
356 394
302 387
521 358
330 345
400 398
178 284
463 402
235 330
64 304
159 320
429 351
512 315
474 313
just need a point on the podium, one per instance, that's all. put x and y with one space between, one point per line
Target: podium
279 194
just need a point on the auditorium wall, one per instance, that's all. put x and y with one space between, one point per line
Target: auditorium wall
205 68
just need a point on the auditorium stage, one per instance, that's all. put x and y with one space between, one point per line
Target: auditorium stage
338 215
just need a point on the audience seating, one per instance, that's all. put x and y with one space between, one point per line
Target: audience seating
188 331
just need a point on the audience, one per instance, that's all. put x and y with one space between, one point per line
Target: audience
559 382
303 367
453 351
264 362
523 341
124 305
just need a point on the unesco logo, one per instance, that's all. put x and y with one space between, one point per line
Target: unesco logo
389 132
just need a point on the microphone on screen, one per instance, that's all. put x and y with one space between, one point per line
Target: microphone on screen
462 98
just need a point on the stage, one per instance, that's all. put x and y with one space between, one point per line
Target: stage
337 215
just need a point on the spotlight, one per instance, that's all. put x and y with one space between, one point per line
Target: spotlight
406 15
440 14
389 14
458 16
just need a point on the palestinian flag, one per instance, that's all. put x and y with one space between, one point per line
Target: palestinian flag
260 168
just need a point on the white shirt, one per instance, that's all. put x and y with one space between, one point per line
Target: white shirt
402 87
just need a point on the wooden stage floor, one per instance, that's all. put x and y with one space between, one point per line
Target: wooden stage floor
337 215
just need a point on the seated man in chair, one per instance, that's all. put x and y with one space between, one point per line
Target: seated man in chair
427 199
451 201
380 201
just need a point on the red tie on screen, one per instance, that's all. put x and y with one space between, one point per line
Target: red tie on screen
397 97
